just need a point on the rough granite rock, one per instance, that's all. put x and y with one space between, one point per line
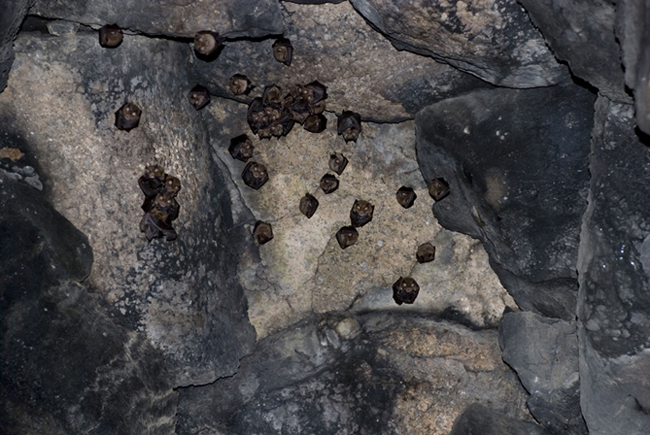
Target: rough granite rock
376 373
67 367
582 34
477 419
184 294
493 39
232 18
544 353
633 31
517 164
337 47
614 260
13 13
313 2
303 269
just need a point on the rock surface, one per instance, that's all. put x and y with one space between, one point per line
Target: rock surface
13 13
632 31
493 40
614 310
334 45
375 373
182 294
528 342
582 34
303 269
65 364
236 18
516 161
479 419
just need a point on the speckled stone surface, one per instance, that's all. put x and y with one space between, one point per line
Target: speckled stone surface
304 270
253 18
172 291
493 39
382 373
336 46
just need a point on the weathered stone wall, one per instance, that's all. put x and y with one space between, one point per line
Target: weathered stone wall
534 112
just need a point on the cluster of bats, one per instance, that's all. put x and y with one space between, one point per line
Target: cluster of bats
272 114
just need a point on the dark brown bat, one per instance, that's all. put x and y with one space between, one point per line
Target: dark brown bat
405 290
255 175
315 92
308 205
153 228
172 185
347 236
239 84
361 213
283 125
207 44
317 108
315 123
241 148
300 110
406 196
329 183
349 125
283 51
438 188
160 205
272 95
165 208
338 162
263 232
199 97
127 117
152 180
110 36
256 115
426 253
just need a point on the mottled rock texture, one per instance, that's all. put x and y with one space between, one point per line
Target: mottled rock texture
313 2
13 12
375 373
303 269
516 161
479 419
236 18
334 45
544 353
67 366
183 295
503 94
614 309
582 35
493 40
633 33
